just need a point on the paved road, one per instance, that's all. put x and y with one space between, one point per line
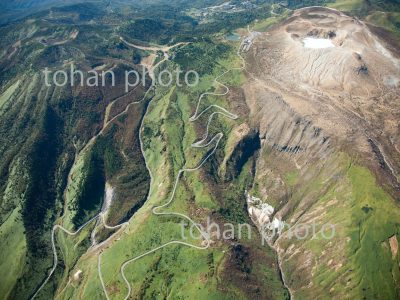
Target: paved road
200 144
156 210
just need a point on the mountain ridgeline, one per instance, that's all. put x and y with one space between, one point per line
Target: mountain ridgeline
311 135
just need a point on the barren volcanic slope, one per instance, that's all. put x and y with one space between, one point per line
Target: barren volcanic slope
323 90
295 135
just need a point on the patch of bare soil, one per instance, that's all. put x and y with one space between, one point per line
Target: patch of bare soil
394 246
311 105
347 94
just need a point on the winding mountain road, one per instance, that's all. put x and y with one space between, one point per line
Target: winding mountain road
200 144
81 152
156 210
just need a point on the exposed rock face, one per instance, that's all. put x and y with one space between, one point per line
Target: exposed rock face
262 215
349 91
315 108
78 275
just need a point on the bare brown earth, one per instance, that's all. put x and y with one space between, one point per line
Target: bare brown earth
313 108
394 245
348 93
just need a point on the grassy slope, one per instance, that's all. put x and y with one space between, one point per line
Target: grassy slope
13 251
346 5
376 225
371 272
357 262
389 21
154 231
177 271
199 190
384 14
265 24
5 97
